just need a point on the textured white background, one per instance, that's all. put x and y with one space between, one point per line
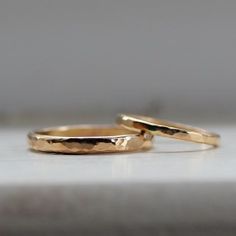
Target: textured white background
106 56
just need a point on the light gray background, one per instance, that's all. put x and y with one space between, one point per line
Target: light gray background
106 56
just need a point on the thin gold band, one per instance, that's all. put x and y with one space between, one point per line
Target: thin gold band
167 129
88 139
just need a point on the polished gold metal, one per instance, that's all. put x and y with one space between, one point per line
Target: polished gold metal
88 139
167 129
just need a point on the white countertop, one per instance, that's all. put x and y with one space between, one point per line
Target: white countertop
168 161
185 182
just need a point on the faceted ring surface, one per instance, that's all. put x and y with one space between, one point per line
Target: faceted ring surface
167 129
88 139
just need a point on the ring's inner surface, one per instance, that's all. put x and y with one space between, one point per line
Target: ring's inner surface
85 131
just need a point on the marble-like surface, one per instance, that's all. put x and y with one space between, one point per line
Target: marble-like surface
170 160
177 188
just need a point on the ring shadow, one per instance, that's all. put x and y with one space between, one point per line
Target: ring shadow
200 148
87 154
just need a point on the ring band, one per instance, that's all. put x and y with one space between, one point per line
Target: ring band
88 139
167 129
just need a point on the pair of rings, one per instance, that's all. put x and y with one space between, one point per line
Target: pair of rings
132 133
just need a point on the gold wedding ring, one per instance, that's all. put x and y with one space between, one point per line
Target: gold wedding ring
88 139
134 133
169 129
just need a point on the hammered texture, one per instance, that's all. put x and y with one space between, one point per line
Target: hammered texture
86 145
168 129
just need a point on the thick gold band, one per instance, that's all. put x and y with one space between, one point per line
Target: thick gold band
88 139
167 129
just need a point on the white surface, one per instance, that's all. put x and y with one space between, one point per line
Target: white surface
176 189
170 160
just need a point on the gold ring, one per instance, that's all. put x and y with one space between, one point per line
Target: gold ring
88 139
167 129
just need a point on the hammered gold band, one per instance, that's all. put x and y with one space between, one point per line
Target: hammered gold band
88 139
167 129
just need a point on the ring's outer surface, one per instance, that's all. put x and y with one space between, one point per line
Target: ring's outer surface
88 139
167 129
